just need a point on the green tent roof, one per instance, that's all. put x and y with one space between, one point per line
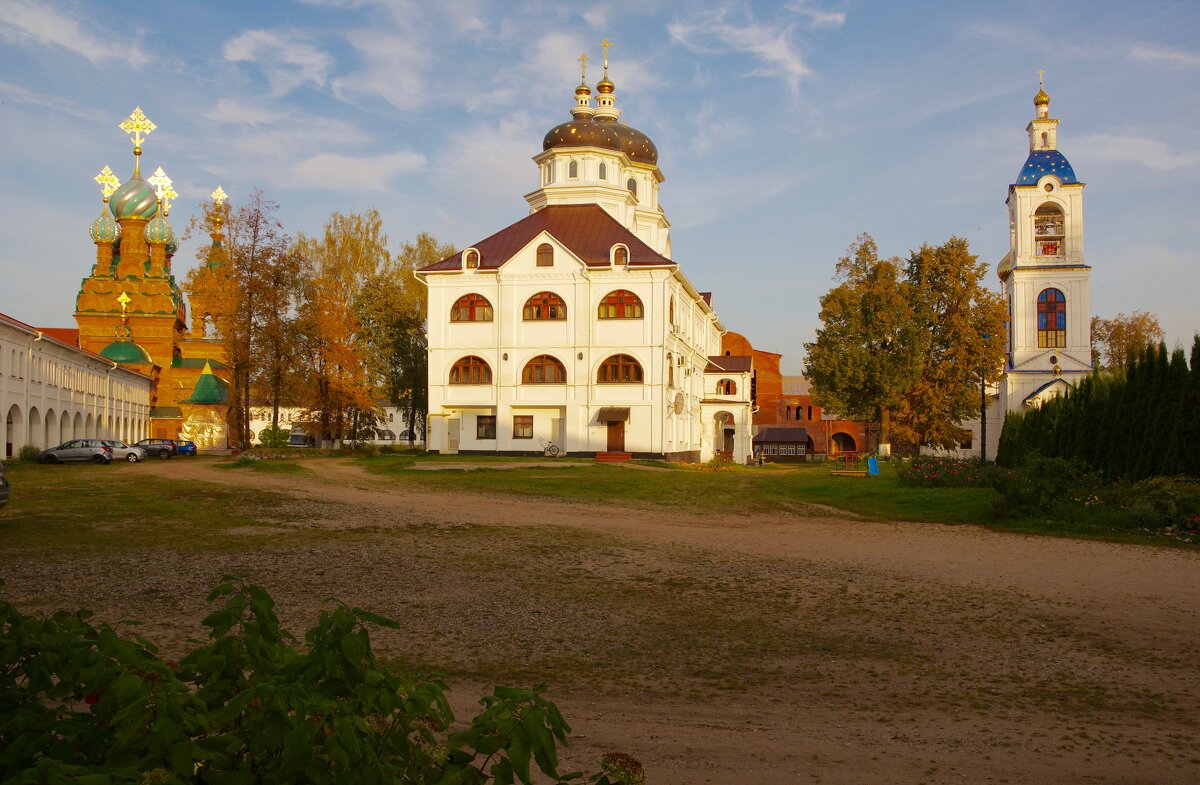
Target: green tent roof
209 389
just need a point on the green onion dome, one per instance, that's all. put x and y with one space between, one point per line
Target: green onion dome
172 241
105 229
134 199
125 352
158 231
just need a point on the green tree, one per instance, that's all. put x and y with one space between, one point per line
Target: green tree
963 325
870 345
1115 340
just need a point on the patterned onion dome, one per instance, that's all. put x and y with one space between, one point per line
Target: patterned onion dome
134 199
606 134
158 231
172 241
1005 267
105 229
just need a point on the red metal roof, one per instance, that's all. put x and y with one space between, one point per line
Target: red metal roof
585 229
723 363
67 335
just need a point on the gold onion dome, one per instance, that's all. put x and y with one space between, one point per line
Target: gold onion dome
105 229
134 199
1042 98
606 134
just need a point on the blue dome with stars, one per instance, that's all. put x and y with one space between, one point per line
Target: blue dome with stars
1043 162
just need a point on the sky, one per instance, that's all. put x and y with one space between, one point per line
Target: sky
785 129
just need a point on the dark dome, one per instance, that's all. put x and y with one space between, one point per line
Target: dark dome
598 133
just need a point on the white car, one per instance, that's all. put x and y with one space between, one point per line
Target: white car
121 450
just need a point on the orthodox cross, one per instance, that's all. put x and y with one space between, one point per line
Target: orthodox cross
124 301
583 58
219 196
162 187
1041 79
138 127
605 44
107 181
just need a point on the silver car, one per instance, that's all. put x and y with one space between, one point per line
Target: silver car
125 452
92 450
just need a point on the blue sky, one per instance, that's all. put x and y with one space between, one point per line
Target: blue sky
784 129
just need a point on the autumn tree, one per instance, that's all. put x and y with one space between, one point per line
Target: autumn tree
392 318
1117 339
963 327
340 265
870 345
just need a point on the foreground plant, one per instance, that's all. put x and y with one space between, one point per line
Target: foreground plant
83 704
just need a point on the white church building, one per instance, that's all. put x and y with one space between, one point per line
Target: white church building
574 328
1044 280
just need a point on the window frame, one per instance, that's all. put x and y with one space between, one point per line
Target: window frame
464 365
616 305
540 363
479 303
533 312
545 255
485 424
620 369
1051 302
522 426
1049 231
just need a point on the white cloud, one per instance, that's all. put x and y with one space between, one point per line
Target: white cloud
24 22
337 172
486 165
713 32
1147 152
22 95
818 17
715 129
288 58
1177 58
393 69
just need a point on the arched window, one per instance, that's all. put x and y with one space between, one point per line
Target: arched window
620 304
545 254
548 174
1048 232
620 369
472 258
788 416
471 308
631 184
620 256
544 369
1052 319
544 306
671 314
726 387
573 169
471 370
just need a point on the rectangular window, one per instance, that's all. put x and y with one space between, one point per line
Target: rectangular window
485 426
771 449
522 426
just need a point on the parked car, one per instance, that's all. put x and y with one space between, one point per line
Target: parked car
92 450
184 447
158 448
3 486
124 452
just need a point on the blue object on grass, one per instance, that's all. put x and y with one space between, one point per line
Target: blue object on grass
873 465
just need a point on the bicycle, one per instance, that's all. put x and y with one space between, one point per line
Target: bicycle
550 449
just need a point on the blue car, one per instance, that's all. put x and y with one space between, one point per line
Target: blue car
185 447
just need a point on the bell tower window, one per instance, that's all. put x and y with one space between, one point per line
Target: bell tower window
573 169
603 171
1048 230
1052 319
632 186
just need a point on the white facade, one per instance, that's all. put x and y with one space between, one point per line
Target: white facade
668 406
391 429
51 392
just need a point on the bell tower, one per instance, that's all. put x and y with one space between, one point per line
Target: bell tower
1044 276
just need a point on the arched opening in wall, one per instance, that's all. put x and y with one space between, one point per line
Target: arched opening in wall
1048 230
89 427
788 414
14 429
545 254
603 171
573 169
35 435
723 437
631 184
726 387
1045 140
64 428
471 370
52 428
1051 319
842 442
